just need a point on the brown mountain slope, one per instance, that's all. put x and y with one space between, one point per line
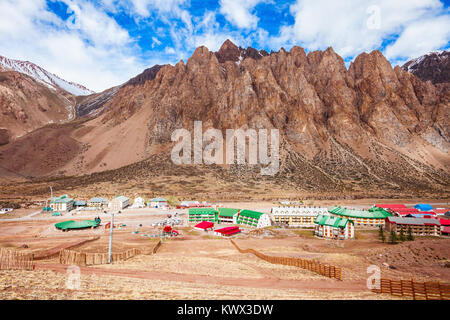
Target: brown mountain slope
26 105
370 127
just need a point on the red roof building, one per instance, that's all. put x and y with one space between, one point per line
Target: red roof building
204 226
228 231
390 206
440 211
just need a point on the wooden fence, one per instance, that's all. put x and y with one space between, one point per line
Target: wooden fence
317 267
415 289
156 247
14 260
88 259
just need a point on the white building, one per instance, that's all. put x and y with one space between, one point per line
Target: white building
98 202
62 203
119 203
158 203
297 216
138 203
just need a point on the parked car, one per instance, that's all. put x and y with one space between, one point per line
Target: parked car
6 210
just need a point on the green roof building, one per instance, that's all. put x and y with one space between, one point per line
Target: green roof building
229 215
327 226
197 215
373 217
253 218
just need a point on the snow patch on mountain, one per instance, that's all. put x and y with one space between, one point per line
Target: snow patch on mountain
43 76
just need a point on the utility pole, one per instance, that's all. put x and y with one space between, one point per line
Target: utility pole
111 237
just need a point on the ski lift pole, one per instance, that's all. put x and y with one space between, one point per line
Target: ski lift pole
111 237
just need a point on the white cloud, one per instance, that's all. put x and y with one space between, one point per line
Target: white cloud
95 24
89 48
239 14
354 26
163 6
156 42
420 38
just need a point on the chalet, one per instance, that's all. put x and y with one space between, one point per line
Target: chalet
297 216
333 227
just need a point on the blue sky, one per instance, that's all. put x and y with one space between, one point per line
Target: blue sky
102 43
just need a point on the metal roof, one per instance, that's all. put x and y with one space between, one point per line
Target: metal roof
251 214
62 199
372 213
158 200
202 211
414 221
332 221
122 198
98 199
423 207
227 212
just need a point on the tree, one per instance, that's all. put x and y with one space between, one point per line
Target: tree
409 235
381 234
402 235
393 237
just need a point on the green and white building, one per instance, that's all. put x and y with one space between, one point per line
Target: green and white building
297 216
372 217
333 227
253 218
229 215
62 203
197 215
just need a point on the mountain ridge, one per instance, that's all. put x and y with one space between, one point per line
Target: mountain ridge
368 127
41 75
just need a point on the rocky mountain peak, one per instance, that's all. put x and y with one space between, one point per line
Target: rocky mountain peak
434 66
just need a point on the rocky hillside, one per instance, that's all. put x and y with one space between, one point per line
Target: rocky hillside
434 66
369 127
26 105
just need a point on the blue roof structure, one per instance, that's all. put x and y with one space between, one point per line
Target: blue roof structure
423 207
